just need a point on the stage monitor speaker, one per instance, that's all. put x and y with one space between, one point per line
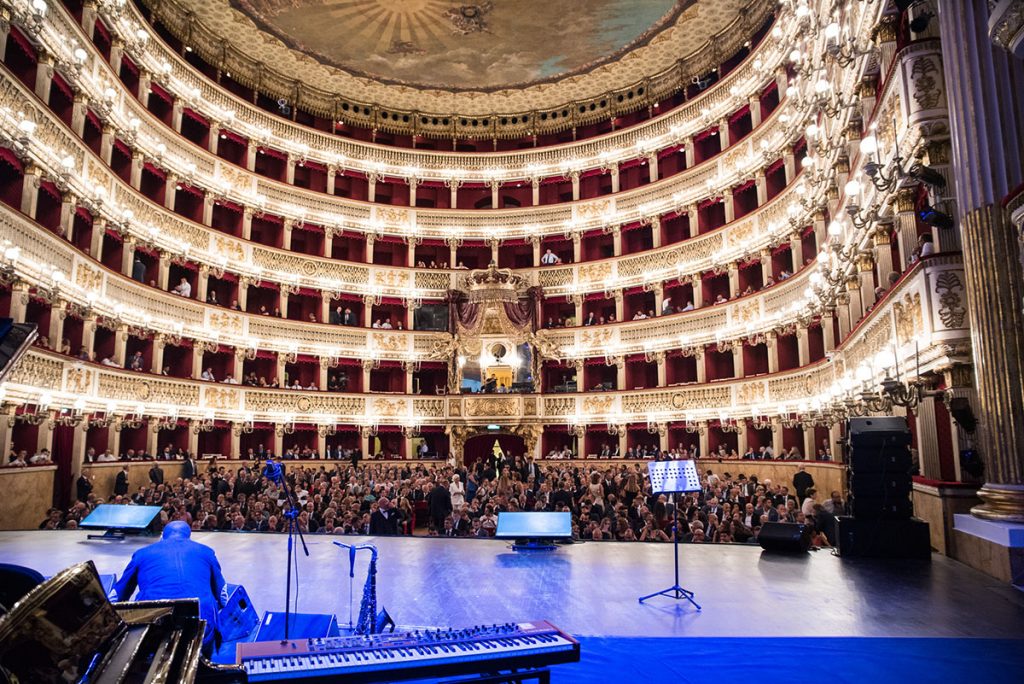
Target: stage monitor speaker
238 618
882 538
784 537
300 626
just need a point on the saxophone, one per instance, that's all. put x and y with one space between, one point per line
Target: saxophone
367 622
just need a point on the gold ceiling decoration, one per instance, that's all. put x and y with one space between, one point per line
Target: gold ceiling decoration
435 67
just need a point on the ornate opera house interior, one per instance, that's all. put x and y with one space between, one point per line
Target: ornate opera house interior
397 340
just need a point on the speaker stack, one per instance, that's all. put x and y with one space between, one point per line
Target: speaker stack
881 522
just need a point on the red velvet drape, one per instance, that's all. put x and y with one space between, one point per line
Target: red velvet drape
63 444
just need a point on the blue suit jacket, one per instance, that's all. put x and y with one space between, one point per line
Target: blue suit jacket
177 569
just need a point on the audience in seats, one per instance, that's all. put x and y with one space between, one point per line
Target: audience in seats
611 502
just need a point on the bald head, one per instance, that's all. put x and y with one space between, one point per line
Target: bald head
177 529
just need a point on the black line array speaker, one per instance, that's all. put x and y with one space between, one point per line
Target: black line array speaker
880 466
784 537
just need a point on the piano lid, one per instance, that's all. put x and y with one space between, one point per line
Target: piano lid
59 629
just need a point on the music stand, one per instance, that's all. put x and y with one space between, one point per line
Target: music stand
674 477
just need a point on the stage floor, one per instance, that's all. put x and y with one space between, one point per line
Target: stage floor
591 590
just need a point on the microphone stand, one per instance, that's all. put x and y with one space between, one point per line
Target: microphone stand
274 471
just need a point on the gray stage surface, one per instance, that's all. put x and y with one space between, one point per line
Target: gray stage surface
591 589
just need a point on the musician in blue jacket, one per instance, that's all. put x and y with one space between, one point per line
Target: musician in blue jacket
177 568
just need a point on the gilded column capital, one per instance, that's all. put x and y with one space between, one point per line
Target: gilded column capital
905 200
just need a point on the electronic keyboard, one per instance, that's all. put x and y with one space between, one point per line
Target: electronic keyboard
410 655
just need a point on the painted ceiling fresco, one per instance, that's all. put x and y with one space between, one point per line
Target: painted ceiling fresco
483 45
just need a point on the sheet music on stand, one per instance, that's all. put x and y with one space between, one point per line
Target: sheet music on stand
670 477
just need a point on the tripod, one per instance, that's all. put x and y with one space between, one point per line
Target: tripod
275 472
675 591
673 477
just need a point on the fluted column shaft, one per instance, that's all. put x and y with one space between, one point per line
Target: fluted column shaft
985 88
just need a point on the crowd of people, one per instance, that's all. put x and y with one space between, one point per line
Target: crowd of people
611 502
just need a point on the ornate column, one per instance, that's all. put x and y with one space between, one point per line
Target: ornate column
247 223
655 222
574 176
882 254
286 234
78 111
177 110
778 439
698 290
116 53
208 201
535 243
332 175
138 161
535 187
619 305
19 301
856 305
659 297
906 225
789 163
738 370
734 279
165 271
693 220
796 251
329 243
170 190
766 265
453 197
58 312
289 170
44 76
761 186
928 439
89 335
755 110
828 333
802 344
617 241
203 284
243 292
159 344
145 86
652 165
30 190
127 256
987 134
121 345
702 369
866 275
772 345
325 306
251 149
213 140
729 205
659 358
413 185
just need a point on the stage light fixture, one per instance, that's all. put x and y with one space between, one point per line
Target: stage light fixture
933 217
927 175
920 23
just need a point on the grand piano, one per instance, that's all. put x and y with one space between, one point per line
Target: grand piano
66 630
